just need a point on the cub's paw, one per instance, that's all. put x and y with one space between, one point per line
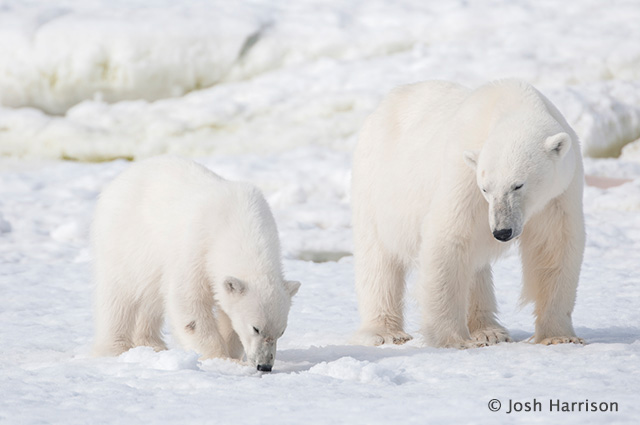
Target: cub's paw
554 340
490 336
379 337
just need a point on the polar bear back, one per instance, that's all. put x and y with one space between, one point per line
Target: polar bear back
166 208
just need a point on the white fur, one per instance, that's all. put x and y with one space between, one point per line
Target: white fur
171 236
416 202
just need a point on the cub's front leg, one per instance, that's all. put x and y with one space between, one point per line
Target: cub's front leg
230 337
190 305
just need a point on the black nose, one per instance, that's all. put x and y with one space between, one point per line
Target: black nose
264 367
502 234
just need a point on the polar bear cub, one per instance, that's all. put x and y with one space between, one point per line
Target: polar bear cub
170 236
446 178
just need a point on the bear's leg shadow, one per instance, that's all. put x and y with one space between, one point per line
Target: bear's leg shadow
552 247
234 345
380 286
482 322
190 308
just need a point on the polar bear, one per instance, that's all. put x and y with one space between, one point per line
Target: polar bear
168 234
446 178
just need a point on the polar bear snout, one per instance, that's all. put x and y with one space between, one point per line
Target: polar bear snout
264 361
261 354
503 235
506 217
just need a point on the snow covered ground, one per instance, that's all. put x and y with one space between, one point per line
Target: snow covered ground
273 93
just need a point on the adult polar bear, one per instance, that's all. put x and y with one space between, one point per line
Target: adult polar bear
415 201
170 234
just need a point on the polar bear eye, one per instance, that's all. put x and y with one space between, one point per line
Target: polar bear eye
484 190
256 330
518 186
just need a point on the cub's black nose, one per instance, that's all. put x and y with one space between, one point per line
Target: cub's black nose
503 234
265 367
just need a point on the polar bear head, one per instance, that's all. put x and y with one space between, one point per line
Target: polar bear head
258 311
520 169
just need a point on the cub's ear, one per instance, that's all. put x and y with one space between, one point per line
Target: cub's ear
234 286
292 287
558 145
471 158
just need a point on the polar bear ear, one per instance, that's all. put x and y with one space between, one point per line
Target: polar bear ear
234 286
471 158
292 287
558 144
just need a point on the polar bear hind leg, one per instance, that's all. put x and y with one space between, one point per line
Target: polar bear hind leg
380 286
149 321
115 317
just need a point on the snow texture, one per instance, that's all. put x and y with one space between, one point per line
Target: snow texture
96 80
273 94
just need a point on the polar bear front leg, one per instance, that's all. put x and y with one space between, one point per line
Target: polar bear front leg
190 307
380 288
482 322
552 246
231 338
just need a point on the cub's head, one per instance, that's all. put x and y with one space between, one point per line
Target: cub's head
519 176
258 313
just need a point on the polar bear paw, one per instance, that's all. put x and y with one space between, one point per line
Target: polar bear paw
467 344
562 340
379 337
480 338
489 336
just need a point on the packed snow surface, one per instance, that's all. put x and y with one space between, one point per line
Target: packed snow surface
273 93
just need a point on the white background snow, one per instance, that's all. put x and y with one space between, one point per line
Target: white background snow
274 93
